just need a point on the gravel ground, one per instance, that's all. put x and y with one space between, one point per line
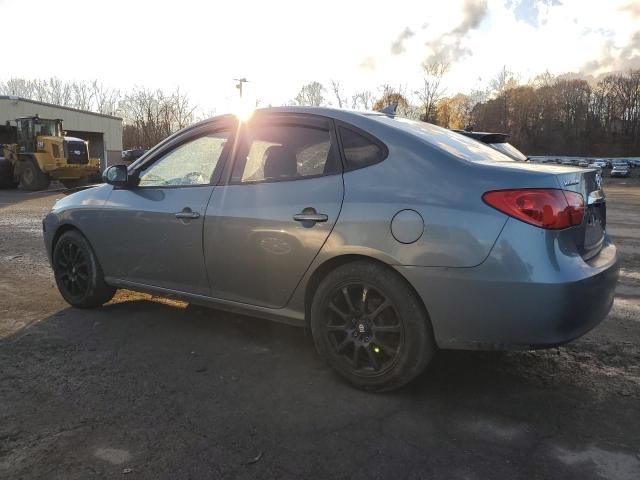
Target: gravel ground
151 388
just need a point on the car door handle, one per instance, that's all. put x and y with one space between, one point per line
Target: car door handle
310 217
187 213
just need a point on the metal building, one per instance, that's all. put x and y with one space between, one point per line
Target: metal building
103 132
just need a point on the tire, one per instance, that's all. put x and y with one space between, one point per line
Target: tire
78 273
7 179
75 182
390 329
31 177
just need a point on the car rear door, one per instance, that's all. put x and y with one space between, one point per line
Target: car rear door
269 219
152 232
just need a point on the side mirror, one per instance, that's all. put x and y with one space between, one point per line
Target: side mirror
116 175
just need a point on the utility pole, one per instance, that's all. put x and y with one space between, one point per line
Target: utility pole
240 81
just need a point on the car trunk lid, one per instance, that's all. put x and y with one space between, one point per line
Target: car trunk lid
589 236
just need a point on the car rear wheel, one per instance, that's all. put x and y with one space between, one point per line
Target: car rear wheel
77 272
371 327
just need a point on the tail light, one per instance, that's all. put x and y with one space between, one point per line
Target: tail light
545 208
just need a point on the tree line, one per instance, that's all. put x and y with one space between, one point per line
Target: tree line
563 115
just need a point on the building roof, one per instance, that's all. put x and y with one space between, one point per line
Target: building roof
53 105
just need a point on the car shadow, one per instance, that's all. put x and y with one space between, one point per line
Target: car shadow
174 390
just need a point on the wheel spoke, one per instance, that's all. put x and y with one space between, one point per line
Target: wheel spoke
386 347
76 253
372 359
356 354
64 252
386 328
342 345
340 313
82 283
379 309
365 290
345 293
336 328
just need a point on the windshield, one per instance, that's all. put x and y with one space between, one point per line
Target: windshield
447 140
48 127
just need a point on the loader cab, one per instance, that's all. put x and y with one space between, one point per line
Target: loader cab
30 128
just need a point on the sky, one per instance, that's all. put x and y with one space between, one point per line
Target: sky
201 46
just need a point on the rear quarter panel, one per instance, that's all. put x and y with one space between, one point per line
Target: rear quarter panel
459 228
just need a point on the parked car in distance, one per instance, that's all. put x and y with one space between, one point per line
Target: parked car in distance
133 154
387 237
633 162
497 141
584 163
620 170
595 165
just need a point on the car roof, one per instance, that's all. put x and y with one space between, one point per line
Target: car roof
335 113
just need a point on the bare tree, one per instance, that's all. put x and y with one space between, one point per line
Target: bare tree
182 109
336 88
362 100
310 94
503 81
152 115
82 95
106 99
432 89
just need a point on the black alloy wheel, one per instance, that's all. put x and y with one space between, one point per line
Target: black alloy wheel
73 267
78 273
364 328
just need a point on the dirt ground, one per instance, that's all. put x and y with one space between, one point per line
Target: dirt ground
149 388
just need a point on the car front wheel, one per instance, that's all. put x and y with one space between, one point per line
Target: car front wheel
77 272
371 327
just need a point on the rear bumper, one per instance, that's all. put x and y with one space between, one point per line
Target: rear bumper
509 303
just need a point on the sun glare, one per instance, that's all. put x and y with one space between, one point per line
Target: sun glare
243 109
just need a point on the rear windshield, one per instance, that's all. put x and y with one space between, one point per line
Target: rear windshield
451 142
509 150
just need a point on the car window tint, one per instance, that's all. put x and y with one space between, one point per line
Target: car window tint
192 163
283 152
359 151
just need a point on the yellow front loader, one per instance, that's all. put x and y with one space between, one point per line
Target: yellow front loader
43 153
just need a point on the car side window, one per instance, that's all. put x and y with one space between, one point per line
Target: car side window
359 150
191 163
271 153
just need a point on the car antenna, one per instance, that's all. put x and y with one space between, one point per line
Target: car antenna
389 109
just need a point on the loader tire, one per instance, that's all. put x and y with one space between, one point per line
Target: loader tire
6 174
31 177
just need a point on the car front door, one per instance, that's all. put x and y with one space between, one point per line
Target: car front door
152 232
266 223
